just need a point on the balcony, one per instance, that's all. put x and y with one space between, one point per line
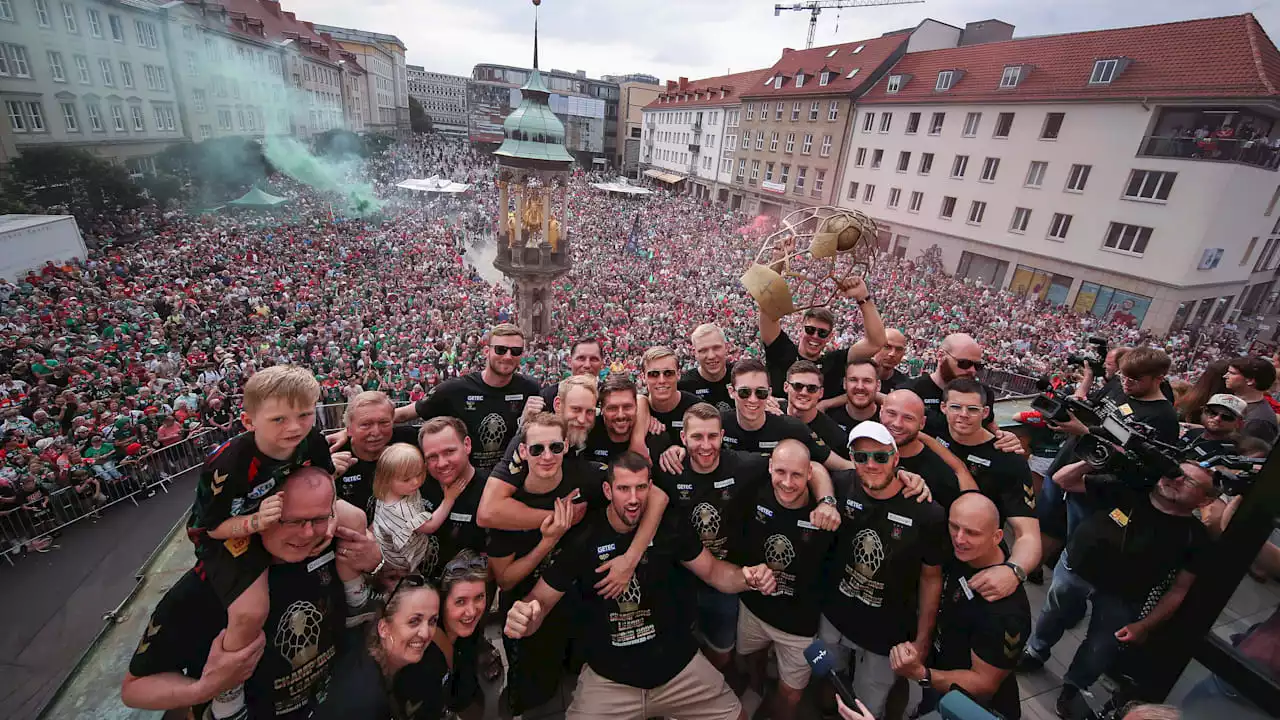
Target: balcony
695 148
1257 153
697 126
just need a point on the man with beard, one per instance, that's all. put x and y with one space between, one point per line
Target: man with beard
818 325
804 391
886 571
446 448
641 659
710 380
576 403
666 403
887 360
902 413
861 385
369 430
960 356
585 358
612 434
777 531
1223 416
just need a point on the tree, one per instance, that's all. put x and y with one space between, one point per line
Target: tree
419 120
74 179
339 143
216 169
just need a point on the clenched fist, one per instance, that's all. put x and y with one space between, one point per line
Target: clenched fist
522 619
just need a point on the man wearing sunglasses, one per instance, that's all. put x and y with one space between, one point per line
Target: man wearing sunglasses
886 569
710 380
861 388
818 324
1223 416
575 402
959 356
804 392
179 662
666 402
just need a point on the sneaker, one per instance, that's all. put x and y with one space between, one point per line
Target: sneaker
1029 663
1067 701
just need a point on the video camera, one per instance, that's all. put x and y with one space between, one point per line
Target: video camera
1094 358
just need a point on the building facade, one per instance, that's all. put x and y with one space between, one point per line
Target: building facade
1090 170
95 74
443 97
635 91
386 86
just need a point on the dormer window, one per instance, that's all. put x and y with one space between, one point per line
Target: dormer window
857 50
722 94
799 79
824 78
1104 71
894 84
1012 75
777 83
945 80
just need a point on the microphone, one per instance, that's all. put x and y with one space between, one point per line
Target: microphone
821 661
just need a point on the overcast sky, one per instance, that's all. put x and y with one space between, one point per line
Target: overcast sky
701 38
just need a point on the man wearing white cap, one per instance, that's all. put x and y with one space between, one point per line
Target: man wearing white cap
887 574
1222 416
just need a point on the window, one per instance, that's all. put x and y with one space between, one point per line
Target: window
989 168
913 123
1131 239
1104 71
117 28
935 125
768 172
795 112
95 117
807 146
917 198
108 78
948 207
860 157
1011 76
799 80
825 150
824 77
877 156
69 118
944 81
6 10
42 12
926 163
895 196
149 72
25 116
117 118
742 169
1004 124
868 193
791 142
959 166
206 132
777 113
751 111
773 142
1052 126
746 140
786 170
1035 173
55 66
755 170
1077 178
1021 217
69 17
801 173
198 99
971 122
852 73
1058 226
894 84
819 180
853 190
13 61
193 67
1149 185
868 122
904 160
82 67
126 74
146 34
885 120
760 140
139 123
833 111
977 209
856 50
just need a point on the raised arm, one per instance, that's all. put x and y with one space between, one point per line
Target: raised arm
770 328
499 510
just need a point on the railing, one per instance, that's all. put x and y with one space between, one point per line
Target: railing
1005 383
1247 152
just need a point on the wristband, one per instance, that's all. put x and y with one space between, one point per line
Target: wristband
927 680
864 301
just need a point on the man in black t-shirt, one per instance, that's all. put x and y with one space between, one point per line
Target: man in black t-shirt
666 403
639 640
861 385
585 358
804 391
575 402
447 450
888 359
902 413
818 325
614 430
885 576
370 429
710 380
978 642
959 356
1127 547
1222 418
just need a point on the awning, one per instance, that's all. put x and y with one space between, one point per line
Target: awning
433 184
664 177
622 186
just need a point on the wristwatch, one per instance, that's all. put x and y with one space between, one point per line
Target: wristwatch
1018 572
864 300
927 680
827 500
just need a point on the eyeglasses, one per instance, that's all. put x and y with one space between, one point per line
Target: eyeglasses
1220 414
965 364
805 387
668 373
815 330
760 393
515 350
965 409
316 522
556 448
881 457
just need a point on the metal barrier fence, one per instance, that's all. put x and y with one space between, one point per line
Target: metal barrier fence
1005 383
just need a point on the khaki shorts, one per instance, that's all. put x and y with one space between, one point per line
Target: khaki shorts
755 635
698 692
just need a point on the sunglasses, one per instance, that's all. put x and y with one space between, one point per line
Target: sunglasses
668 373
556 448
760 393
1220 414
411 580
815 330
964 364
460 565
881 457
805 387
515 350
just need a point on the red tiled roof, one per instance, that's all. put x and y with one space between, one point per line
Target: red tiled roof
1211 58
277 24
684 94
873 54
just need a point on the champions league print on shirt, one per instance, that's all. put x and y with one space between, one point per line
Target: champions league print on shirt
630 625
857 581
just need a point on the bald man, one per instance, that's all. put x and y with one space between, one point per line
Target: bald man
903 414
895 348
958 356
978 643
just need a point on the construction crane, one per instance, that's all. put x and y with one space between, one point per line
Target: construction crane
815 8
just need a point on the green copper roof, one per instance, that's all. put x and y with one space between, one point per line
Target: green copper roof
532 131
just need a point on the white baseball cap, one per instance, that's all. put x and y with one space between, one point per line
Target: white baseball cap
874 431
1229 402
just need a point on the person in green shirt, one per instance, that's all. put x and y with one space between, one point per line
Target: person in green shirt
102 457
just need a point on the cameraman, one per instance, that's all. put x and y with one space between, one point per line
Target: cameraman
1110 387
1132 542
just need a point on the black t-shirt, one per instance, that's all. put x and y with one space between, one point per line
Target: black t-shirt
1003 477
491 414
1127 546
934 421
775 429
459 530
896 380
356 484
832 433
421 690
996 632
642 638
304 628
715 392
840 414
674 418
783 353
713 502
1159 414
357 688
601 448
1205 448
937 474
873 584
795 549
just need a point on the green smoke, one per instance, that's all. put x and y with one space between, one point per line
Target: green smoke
295 160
